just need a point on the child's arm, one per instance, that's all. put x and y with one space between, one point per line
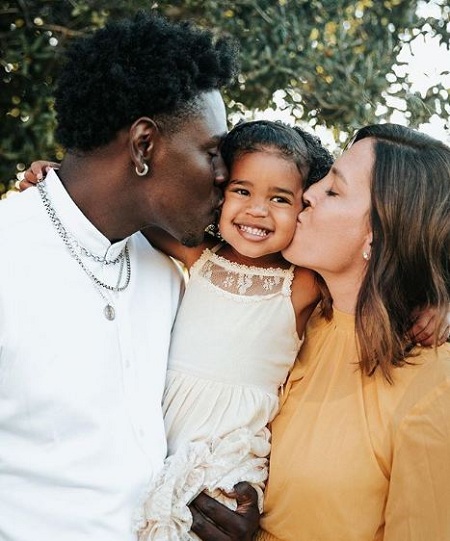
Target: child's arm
305 295
163 241
35 173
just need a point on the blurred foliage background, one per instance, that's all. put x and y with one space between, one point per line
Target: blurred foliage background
335 60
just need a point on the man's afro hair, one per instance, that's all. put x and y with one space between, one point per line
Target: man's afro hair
145 66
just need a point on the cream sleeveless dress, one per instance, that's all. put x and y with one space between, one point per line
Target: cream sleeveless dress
233 344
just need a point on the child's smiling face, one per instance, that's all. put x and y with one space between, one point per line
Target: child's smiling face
262 202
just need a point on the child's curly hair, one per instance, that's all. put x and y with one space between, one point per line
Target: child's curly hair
145 66
291 142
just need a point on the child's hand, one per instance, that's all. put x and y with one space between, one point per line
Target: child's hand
35 173
423 330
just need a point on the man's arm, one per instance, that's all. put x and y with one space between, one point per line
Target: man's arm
425 330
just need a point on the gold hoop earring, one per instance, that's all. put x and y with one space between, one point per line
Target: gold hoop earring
144 170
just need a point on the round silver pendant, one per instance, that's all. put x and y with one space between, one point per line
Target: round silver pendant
109 312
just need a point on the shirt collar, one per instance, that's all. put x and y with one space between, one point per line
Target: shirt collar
76 223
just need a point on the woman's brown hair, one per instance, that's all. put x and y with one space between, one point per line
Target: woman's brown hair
409 264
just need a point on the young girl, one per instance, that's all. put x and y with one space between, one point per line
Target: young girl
238 329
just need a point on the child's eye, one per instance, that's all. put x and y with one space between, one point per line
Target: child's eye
330 193
279 199
240 191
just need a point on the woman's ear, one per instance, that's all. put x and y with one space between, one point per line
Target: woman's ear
367 248
143 133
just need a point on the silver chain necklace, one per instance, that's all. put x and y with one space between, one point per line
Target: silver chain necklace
72 245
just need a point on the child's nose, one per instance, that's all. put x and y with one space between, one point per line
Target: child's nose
258 209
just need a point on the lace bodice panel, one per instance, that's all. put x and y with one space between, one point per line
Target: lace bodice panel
236 324
244 281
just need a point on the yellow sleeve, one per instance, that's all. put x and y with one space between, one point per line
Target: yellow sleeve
418 502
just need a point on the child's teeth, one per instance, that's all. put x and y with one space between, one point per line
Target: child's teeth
254 231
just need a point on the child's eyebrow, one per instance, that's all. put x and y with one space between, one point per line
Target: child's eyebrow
274 189
282 190
240 181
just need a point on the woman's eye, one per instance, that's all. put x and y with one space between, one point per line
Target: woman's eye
330 193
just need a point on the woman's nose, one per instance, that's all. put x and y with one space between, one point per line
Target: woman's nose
306 199
308 196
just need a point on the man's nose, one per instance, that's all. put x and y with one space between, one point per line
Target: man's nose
220 171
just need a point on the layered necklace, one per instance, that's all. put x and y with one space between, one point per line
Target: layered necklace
75 249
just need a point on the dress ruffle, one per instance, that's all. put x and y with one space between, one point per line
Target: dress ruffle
213 466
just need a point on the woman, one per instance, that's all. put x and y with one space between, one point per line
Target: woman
361 448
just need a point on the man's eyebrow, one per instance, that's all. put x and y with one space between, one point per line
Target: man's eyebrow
339 174
216 140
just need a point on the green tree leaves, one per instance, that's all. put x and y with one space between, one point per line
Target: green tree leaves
335 60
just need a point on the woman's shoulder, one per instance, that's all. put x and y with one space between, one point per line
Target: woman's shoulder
426 366
420 387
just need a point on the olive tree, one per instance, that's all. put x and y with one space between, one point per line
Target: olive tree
335 61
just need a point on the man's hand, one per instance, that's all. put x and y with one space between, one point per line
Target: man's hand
424 328
215 522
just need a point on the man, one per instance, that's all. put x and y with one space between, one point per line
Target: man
81 429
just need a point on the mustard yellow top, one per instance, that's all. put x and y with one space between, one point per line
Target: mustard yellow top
354 458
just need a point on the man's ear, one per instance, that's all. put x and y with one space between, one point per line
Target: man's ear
143 134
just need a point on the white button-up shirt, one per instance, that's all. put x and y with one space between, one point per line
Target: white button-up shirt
81 428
